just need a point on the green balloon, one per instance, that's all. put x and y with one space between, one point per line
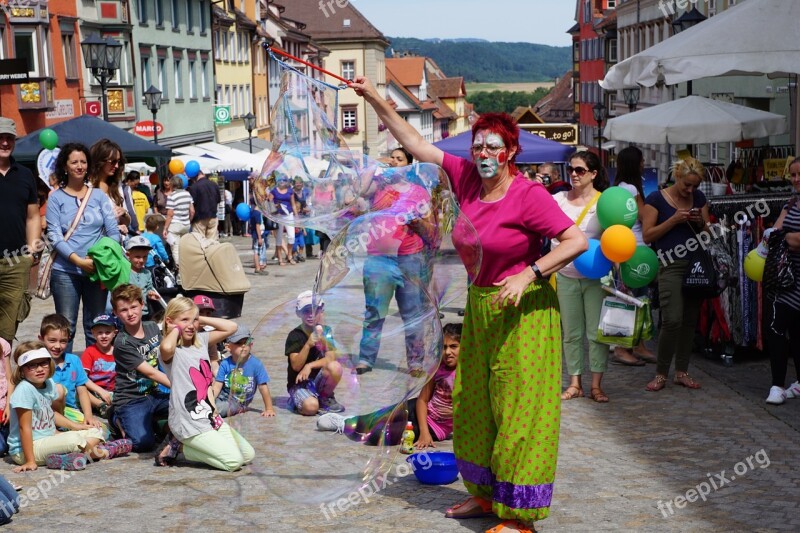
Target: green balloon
48 138
617 206
640 269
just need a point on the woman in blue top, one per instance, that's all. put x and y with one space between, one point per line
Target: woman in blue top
671 218
283 197
69 281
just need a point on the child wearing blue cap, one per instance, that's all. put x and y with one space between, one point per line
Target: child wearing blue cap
98 362
240 376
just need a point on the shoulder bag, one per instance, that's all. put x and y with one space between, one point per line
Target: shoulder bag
701 277
578 221
46 263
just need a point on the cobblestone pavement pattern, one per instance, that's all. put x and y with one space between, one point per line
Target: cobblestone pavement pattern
617 461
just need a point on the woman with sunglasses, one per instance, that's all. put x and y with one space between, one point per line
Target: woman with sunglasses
671 219
579 297
506 395
106 175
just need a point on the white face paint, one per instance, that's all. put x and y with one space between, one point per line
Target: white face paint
489 154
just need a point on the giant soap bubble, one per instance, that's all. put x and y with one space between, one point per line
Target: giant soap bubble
391 264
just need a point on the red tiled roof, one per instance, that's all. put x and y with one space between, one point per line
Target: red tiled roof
424 106
328 24
407 70
447 87
558 104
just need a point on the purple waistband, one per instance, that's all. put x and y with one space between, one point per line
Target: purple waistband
508 494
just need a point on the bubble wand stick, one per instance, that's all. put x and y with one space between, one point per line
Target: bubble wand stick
306 63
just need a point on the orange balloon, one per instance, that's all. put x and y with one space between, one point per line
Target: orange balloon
176 166
618 243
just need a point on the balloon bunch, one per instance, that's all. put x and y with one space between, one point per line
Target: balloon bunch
186 171
617 213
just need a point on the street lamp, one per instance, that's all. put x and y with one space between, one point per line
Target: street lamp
684 22
102 57
152 99
631 98
599 112
249 125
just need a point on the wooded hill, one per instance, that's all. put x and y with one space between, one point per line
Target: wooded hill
484 61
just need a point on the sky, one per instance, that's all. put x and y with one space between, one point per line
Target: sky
532 21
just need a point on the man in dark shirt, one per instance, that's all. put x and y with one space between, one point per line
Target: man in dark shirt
21 233
206 196
137 402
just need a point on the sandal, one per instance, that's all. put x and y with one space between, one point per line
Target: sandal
598 395
647 357
478 509
685 380
522 527
658 383
568 395
66 461
117 448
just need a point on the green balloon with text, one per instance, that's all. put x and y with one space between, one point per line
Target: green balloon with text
617 206
640 269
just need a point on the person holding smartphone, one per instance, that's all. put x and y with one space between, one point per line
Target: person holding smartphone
670 219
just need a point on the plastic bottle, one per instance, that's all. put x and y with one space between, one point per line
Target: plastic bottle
407 442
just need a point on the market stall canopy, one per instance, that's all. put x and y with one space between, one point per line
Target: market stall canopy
88 130
752 38
694 120
534 148
226 153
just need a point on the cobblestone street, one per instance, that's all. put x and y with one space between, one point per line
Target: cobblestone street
638 463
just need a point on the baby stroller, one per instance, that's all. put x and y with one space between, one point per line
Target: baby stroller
163 277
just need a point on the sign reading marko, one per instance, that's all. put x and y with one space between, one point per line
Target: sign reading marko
13 71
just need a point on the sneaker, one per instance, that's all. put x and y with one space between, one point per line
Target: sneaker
794 390
330 405
66 461
117 448
331 422
776 395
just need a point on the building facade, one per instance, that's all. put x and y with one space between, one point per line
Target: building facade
173 54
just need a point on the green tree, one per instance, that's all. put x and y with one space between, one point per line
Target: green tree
504 101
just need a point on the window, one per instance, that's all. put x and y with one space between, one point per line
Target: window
350 118
30 44
141 11
189 16
223 39
70 57
242 102
612 50
204 79
713 152
174 9
192 81
234 103
712 8
587 11
248 102
203 17
159 14
349 70
227 95
218 95
232 45
178 78
146 81
612 4
217 48
162 78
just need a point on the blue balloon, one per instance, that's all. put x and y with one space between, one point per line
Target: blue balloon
592 263
192 169
243 212
185 180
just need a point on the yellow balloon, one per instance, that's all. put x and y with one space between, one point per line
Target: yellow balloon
618 243
754 266
176 166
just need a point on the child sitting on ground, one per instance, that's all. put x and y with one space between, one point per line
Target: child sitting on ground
434 406
69 373
194 422
6 388
33 440
313 371
99 365
235 387
138 249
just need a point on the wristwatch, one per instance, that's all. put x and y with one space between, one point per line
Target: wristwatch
537 272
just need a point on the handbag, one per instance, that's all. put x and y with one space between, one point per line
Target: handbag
778 275
46 263
701 277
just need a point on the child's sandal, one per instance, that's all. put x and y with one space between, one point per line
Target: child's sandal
66 461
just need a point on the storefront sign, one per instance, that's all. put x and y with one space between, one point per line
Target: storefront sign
62 109
146 128
13 71
774 169
93 108
222 114
562 133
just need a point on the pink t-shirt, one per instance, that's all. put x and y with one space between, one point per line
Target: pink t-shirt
393 210
440 406
510 230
